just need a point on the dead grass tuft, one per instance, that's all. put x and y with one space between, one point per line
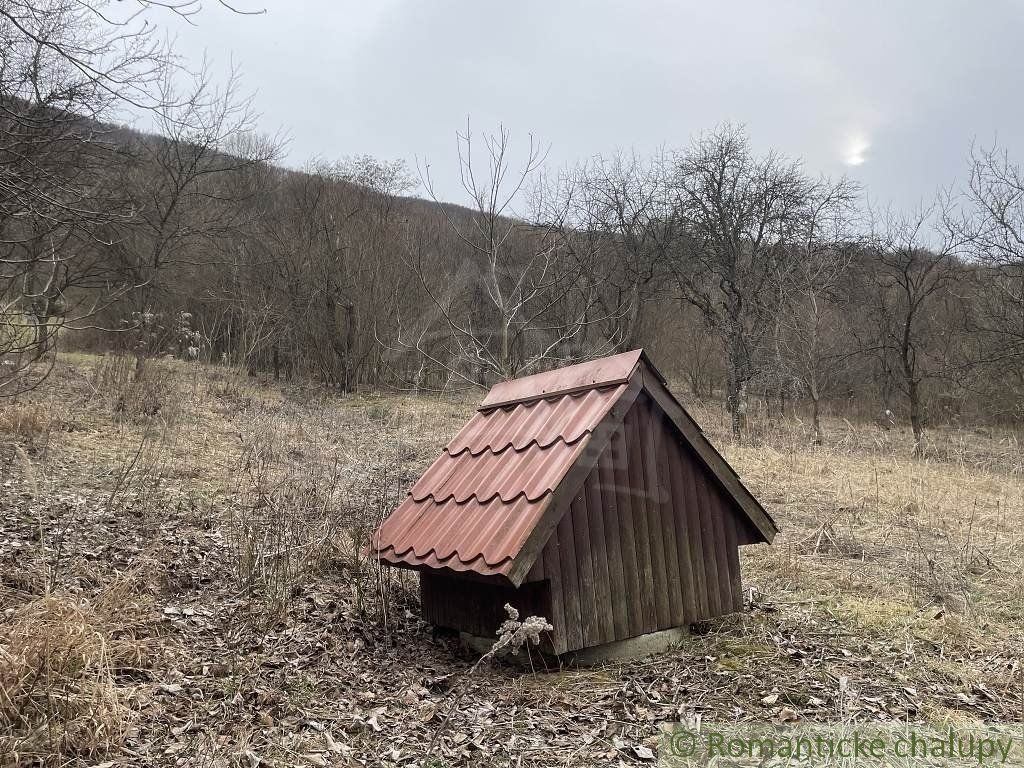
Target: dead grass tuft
25 420
59 663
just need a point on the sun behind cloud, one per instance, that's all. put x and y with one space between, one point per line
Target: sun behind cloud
855 149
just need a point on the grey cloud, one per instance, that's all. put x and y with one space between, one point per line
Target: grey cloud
916 81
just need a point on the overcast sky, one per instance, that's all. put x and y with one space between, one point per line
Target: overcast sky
890 93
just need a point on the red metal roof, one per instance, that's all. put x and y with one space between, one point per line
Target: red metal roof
474 508
478 503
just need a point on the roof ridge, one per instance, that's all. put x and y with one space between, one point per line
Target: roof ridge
533 402
594 374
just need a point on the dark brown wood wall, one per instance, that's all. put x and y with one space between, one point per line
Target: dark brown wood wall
478 607
650 542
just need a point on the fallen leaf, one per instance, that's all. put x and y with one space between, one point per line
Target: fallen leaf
332 745
410 698
644 753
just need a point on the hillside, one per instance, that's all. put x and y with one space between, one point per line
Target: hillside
197 242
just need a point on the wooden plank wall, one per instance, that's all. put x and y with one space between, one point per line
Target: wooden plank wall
478 607
650 542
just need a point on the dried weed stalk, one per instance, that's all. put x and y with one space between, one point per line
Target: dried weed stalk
513 636
26 420
137 394
376 585
287 515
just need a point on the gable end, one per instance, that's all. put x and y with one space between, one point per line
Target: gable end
715 463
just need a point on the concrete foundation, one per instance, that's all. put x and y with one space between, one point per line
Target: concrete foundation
630 648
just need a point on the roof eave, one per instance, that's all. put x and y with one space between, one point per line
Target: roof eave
497 577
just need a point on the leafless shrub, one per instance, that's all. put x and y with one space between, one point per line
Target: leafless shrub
376 585
283 526
136 394
139 477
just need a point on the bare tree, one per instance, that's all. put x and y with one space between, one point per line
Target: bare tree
188 204
995 228
741 215
68 68
619 223
814 344
515 300
912 270
317 271
56 205
367 274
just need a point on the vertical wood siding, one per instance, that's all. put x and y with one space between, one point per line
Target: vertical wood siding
478 607
650 542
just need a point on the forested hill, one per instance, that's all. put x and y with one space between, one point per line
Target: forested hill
742 275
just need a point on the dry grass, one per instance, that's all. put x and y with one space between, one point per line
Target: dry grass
934 533
25 419
257 500
60 659
287 514
314 481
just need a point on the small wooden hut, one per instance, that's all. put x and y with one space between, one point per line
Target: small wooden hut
586 495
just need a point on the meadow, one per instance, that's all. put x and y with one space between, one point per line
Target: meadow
182 582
